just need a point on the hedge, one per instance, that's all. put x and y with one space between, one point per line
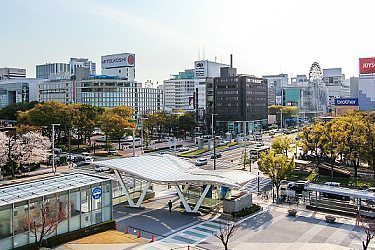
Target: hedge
73 235
247 211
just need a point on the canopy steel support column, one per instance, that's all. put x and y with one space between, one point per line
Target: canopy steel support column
183 200
126 191
186 187
199 203
140 199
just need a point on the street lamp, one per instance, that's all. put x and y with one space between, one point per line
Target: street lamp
258 182
133 129
53 147
213 137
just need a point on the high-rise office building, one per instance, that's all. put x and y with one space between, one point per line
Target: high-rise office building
240 102
12 73
121 65
53 71
366 83
75 63
275 85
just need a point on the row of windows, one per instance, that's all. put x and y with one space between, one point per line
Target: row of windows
228 98
227 92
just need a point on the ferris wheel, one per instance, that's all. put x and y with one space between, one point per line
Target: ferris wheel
315 72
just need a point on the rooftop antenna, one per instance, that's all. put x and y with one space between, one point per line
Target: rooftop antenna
231 60
215 58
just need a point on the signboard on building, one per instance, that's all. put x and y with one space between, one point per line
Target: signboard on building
367 65
230 126
346 102
96 193
118 60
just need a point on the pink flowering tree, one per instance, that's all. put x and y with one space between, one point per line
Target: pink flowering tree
3 151
27 148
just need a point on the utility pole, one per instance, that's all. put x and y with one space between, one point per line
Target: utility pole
213 137
245 138
53 147
133 141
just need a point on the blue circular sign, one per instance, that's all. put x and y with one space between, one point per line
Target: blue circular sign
96 193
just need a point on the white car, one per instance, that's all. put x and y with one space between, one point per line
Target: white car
99 168
88 160
201 162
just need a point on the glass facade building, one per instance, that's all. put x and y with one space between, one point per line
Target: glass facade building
18 90
84 199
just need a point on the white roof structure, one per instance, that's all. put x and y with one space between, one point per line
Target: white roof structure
363 194
41 187
171 169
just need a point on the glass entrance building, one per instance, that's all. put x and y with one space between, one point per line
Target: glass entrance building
85 200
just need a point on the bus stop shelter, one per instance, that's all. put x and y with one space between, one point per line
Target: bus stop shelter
340 199
171 170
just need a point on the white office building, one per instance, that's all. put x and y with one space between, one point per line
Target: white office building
121 65
275 85
53 71
18 90
12 73
62 91
336 85
206 68
75 63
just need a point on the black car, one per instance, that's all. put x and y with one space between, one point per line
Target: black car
218 155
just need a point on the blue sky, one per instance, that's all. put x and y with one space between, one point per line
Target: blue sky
266 37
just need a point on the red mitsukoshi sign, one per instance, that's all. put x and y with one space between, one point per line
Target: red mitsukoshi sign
367 65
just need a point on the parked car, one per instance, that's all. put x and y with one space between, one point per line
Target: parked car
88 160
85 154
70 157
58 150
218 155
113 152
99 168
222 143
201 162
183 149
371 189
259 144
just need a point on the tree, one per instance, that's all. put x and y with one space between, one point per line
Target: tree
330 142
27 148
368 227
368 148
3 151
281 144
116 122
311 141
287 112
10 112
276 166
44 218
226 231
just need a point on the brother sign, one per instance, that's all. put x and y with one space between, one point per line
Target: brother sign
346 102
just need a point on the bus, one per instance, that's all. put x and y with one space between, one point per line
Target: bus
255 152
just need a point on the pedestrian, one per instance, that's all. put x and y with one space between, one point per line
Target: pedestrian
170 206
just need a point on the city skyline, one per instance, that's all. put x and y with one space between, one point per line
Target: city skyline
281 37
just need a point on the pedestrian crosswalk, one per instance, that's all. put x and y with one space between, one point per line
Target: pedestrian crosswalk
264 184
197 233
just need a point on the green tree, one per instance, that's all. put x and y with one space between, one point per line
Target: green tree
186 123
282 144
311 141
10 112
276 166
116 122
368 147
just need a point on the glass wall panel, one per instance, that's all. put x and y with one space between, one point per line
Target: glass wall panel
5 226
34 211
20 227
75 210
85 207
63 226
